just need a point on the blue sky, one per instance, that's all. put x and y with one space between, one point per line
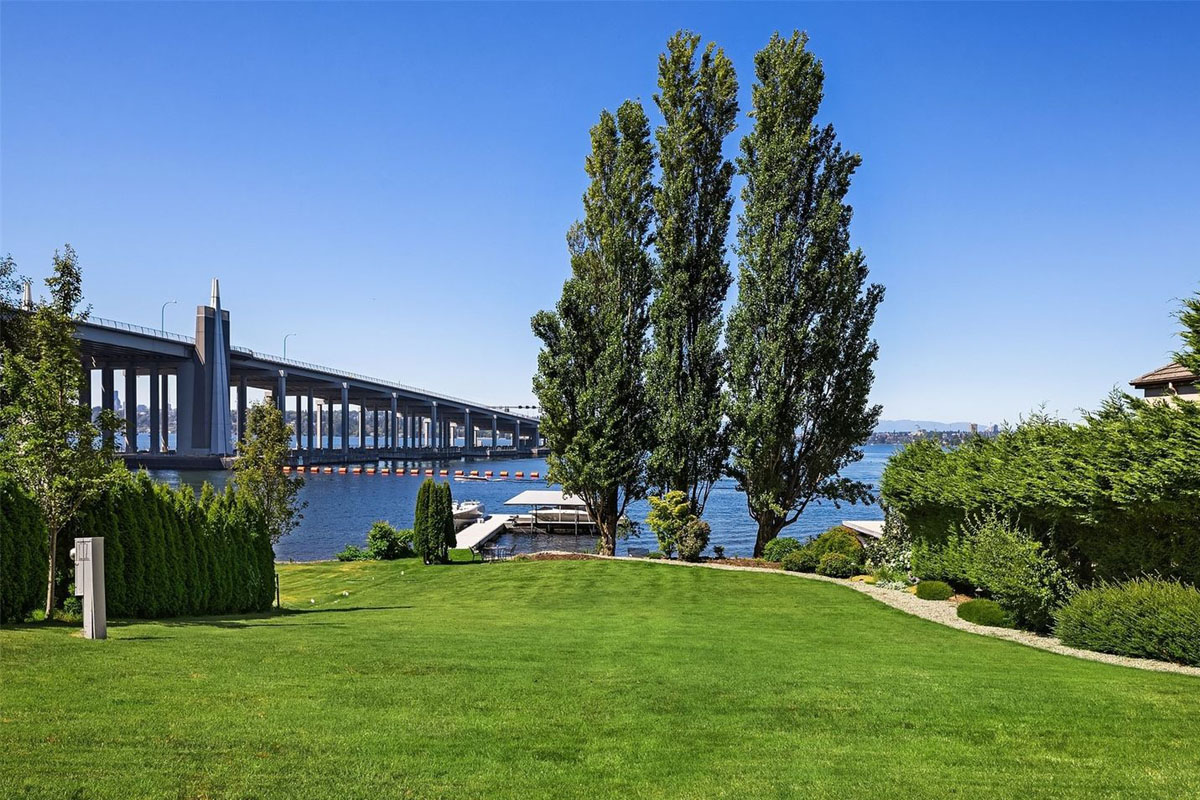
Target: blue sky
394 182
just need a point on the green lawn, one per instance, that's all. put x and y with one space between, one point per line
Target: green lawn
578 679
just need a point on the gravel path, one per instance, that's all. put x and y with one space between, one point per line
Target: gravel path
945 612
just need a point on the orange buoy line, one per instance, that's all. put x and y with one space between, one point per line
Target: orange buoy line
533 476
520 475
327 470
443 472
458 473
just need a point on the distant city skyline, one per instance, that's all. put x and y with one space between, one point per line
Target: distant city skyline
393 183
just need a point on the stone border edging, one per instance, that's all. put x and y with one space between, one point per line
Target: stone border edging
940 611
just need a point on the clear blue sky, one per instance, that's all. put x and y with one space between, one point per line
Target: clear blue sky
393 182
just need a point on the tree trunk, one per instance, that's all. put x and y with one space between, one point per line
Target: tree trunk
50 580
768 528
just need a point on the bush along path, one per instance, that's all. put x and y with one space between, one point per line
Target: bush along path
944 612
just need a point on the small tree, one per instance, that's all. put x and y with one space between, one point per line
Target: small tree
799 345
423 539
47 438
449 538
259 475
1189 317
676 526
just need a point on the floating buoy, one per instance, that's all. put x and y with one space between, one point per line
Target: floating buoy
487 474
327 470
341 470
286 468
356 470
414 471
503 473
443 472
314 470
384 471
429 473
458 473
533 475
520 475
474 473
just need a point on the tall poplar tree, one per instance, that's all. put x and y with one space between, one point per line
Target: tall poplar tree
692 204
800 351
590 381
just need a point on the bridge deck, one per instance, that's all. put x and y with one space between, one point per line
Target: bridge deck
474 536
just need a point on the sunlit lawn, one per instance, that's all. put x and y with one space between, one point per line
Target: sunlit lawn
577 679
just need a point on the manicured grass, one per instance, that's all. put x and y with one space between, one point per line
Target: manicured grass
578 679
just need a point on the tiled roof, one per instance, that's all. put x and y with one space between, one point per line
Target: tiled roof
1171 373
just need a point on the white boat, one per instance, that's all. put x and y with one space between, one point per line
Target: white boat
467 513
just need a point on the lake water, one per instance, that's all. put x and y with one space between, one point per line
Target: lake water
342 507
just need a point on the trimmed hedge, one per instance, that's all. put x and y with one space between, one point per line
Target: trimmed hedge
1113 497
934 590
798 561
1143 617
168 554
982 611
24 553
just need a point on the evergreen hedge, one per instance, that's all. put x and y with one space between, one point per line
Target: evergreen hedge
1115 496
168 554
23 553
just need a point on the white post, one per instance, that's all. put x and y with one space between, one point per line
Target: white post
89 583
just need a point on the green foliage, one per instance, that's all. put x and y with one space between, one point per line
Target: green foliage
799 348
426 542
698 102
1143 617
446 520
837 539
385 543
48 441
676 527
934 590
889 577
894 549
167 555
656 554
982 611
1189 317
1006 562
23 546
353 552
779 547
1115 496
590 378
836 565
693 539
258 470
800 560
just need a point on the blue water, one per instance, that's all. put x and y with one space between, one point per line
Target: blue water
342 507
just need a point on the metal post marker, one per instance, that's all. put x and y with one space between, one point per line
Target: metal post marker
88 555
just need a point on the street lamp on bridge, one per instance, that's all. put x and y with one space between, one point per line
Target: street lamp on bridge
162 316
285 338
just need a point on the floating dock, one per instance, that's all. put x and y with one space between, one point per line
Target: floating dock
476 535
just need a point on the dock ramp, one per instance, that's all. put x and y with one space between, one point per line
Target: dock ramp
477 534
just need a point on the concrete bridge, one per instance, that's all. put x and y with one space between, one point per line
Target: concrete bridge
210 378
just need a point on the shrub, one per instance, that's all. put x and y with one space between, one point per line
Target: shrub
676 527
779 547
1143 617
837 539
892 550
693 539
982 611
799 561
385 543
24 554
1006 562
934 590
836 565
890 578
655 554
353 552
718 551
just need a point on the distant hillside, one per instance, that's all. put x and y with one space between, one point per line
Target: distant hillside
909 425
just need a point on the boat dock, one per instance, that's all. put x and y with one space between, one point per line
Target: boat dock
476 535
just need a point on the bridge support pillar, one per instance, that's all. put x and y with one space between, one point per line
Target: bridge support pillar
155 410
130 402
517 434
241 409
434 433
309 427
107 400
495 432
345 419
392 425
165 400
